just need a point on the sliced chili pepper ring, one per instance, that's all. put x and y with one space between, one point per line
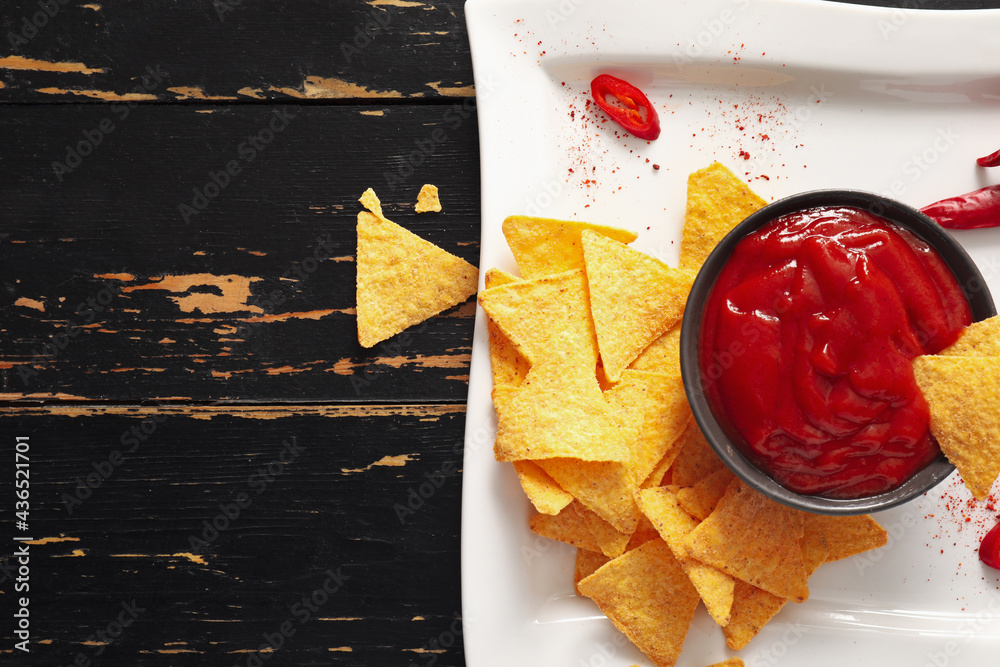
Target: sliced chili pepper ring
637 116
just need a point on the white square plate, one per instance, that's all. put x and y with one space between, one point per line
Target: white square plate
793 95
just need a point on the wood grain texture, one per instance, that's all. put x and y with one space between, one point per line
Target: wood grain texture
113 290
193 51
368 493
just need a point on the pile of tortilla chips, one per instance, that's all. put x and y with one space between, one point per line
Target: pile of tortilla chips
592 413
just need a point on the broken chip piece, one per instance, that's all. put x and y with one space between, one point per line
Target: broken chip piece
427 199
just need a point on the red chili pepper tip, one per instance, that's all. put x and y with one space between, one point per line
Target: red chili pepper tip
989 550
630 116
991 160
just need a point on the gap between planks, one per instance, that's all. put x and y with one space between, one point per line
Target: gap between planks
206 412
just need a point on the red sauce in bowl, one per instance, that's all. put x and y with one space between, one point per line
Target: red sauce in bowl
806 347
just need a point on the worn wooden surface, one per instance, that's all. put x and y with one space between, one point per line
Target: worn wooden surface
209 444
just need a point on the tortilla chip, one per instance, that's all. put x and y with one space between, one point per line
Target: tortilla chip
700 500
647 596
753 538
663 354
611 541
729 662
651 412
543 492
716 202
533 314
371 202
846 536
509 366
427 199
644 532
980 339
661 473
587 562
634 299
964 400
542 246
696 460
403 279
558 411
673 524
568 526
753 607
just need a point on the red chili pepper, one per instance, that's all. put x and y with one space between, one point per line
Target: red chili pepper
991 160
631 115
989 550
972 210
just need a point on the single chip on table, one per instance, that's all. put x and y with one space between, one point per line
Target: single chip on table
647 596
716 202
700 500
427 199
542 246
651 411
587 562
980 339
543 492
729 662
509 366
964 400
673 524
846 536
696 460
755 539
403 280
634 299
568 526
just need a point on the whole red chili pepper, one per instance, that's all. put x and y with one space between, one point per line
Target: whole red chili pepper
630 116
972 210
991 160
989 550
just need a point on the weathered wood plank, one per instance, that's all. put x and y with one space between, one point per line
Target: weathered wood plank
177 261
213 525
232 50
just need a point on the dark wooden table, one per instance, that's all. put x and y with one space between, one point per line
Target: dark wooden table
219 473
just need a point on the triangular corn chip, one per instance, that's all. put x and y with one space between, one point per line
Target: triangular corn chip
673 524
700 500
542 490
634 299
558 411
755 539
696 460
647 596
729 662
980 339
542 246
963 394
716 202
663 354
534 314
846 536
568 526
651 411
509 366
403 279
611 541
587 562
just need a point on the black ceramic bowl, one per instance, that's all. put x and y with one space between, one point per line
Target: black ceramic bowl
969 277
